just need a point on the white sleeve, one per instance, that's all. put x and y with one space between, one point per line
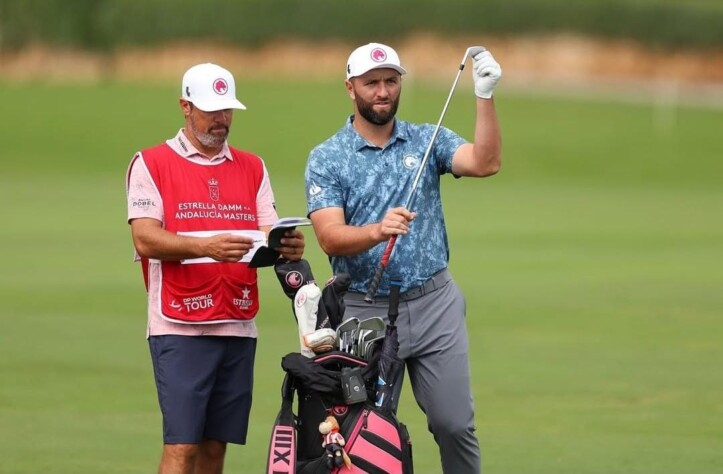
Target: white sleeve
143 197
265 205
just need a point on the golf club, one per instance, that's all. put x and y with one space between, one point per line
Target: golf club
368 327
369 346
369 298
344 333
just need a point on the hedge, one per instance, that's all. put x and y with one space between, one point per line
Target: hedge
110 24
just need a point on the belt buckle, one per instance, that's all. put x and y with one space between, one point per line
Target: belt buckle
428 286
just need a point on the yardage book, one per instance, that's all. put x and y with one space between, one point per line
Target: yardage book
262 254
282 225
265 255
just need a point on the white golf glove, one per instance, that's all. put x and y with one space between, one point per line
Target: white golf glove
485 72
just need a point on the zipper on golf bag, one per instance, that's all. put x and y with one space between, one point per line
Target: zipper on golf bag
376 444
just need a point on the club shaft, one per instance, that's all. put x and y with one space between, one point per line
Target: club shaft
369 298
415 183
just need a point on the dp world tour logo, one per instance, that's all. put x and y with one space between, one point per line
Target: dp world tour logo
213 191
220 87
378 55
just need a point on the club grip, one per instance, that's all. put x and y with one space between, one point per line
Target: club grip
369 298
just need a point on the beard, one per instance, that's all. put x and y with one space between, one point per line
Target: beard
366 110
208 139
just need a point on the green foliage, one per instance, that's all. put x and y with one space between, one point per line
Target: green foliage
101 24
50 21
590 264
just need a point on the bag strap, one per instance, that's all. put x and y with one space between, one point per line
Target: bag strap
395 285
287 390
282 447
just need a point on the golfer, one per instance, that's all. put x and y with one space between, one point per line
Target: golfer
356 184
198 209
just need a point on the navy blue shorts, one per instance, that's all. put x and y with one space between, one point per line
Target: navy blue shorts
204 386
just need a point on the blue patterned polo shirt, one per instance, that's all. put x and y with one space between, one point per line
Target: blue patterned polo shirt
366 181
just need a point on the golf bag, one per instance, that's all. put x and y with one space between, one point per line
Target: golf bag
343 385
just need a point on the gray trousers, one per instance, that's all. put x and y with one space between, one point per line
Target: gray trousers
433 343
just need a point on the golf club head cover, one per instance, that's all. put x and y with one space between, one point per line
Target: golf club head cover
321 340
332 299
306 304
293 275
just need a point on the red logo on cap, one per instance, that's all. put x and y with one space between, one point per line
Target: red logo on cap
220 87
378 55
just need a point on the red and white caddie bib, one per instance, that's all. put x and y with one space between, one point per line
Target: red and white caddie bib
206 198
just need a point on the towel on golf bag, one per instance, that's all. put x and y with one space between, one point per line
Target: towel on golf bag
376 442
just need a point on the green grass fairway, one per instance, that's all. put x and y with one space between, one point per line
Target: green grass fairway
591 266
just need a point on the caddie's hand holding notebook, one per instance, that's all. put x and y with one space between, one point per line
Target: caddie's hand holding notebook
265 255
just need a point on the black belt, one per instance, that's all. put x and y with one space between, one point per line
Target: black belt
437 281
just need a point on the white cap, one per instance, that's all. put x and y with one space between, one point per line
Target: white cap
372 56
210 88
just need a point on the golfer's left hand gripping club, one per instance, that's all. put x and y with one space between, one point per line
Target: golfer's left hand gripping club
369 298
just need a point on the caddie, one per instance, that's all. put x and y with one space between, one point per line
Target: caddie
197 207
